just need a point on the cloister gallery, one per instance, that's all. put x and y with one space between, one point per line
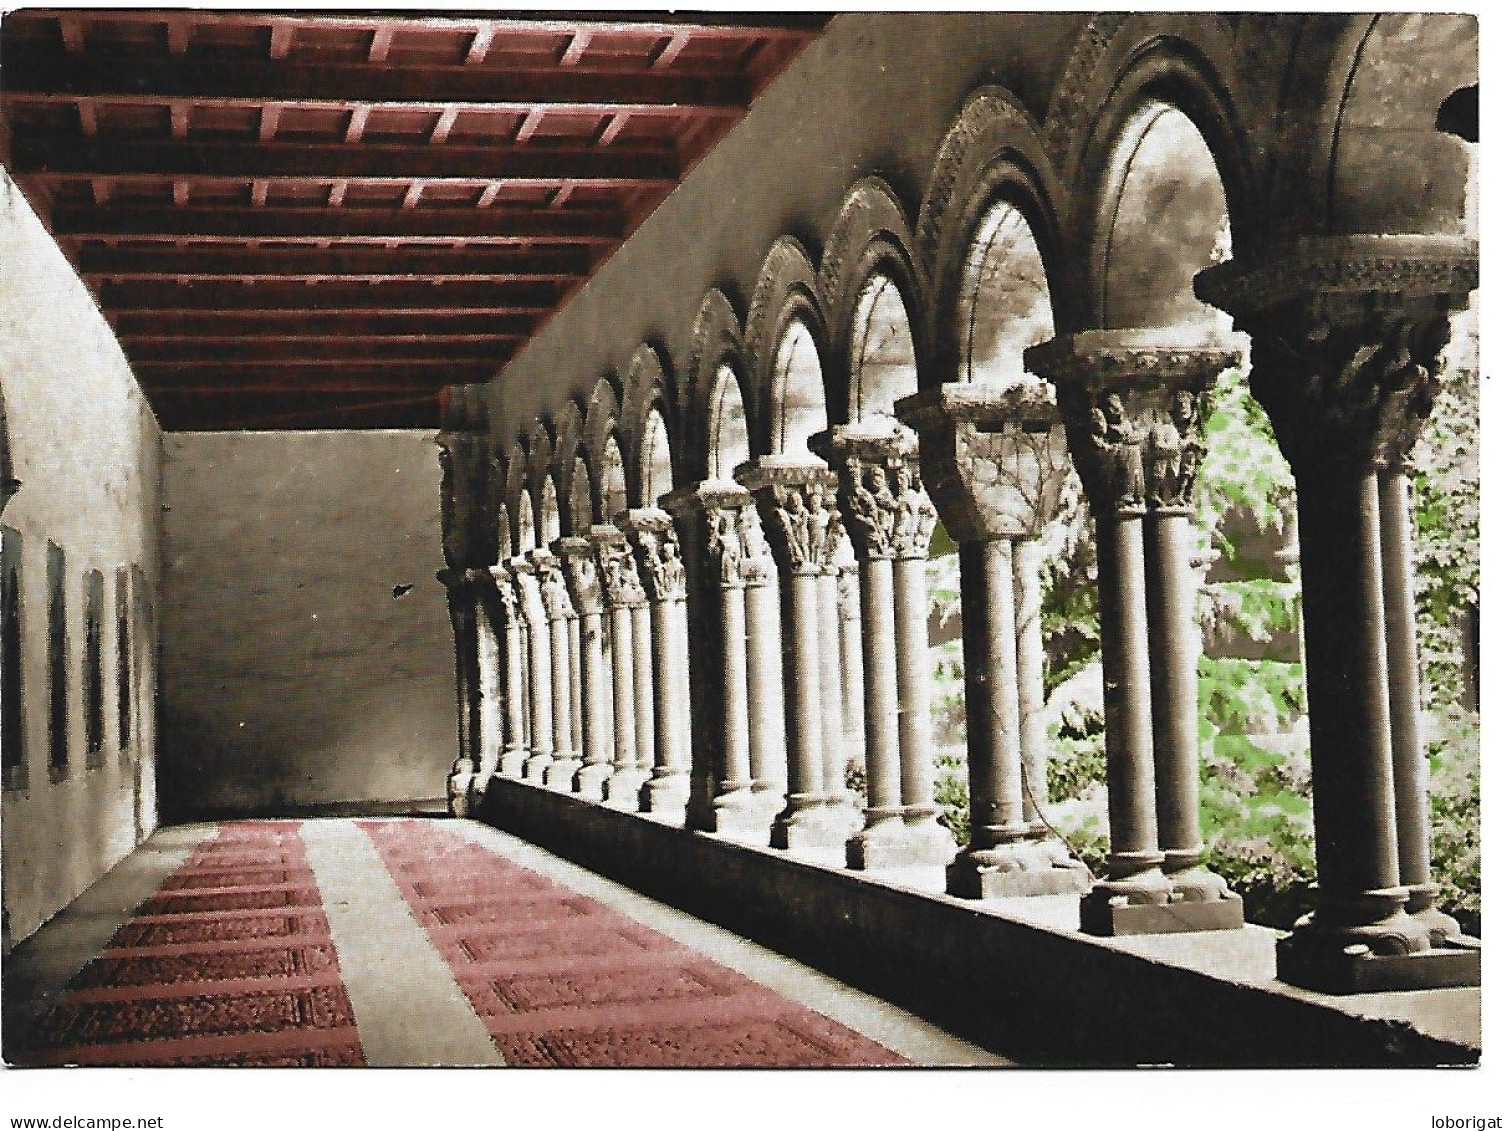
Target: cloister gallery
741 333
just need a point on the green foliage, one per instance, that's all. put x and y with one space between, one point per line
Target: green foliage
953 796
1244 469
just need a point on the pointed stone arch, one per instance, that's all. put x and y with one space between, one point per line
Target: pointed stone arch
647 424
568 426
784 336
869 272
603 424
538 452
993 158
1122 63
718 357
514 491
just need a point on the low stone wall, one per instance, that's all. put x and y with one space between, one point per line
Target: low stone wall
1034 994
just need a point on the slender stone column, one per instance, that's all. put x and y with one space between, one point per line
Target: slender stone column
890 520
657 552
764 690
512 655
994 460
490 696
1348 335
1408 759
1029 657
460 605
538 659
714 509
796 501
832 699
852 667
623 595
587 595
560 626
1134 403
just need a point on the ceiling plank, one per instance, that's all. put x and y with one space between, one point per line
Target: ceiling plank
34 73
307 323
51 157
137 294
164 352
311 264
499 225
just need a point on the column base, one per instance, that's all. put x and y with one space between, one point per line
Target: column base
739 817
1421 900
458 786
511 764
666 793
622 790
893 843
1020 868
1195 883
1354 969
562 773
808 822
535 768
590 778
1115 916
475 791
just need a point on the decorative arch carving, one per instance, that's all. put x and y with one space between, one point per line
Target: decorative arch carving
1121 63
568 426
514 490
602 423
787 287
993 153
718 343
539 448
648 390
871 236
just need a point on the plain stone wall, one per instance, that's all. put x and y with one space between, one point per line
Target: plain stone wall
85 445
293 676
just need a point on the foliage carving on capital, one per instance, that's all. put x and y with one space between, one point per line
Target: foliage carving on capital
1351 394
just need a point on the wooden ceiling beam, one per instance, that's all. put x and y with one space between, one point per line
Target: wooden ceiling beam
349 377
297 410
330 323
34 73
478 225
269 351
316 265
706 25
139 294
53 157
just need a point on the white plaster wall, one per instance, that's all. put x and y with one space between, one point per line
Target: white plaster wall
293 677
85 446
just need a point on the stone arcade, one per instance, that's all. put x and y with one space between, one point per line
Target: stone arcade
730 325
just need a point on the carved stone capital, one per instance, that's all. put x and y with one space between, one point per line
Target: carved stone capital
522 573
554 597
501 578
796 501
653 537
993 457
471 480
1135 405
882 500
580 572
1348 340
616 565
738 553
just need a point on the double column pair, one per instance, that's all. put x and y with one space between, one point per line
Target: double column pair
994 459
1348 338
1135 404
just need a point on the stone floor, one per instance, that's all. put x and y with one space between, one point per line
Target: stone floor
437 943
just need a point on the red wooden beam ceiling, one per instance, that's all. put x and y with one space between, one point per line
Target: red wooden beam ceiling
35 74
429 262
